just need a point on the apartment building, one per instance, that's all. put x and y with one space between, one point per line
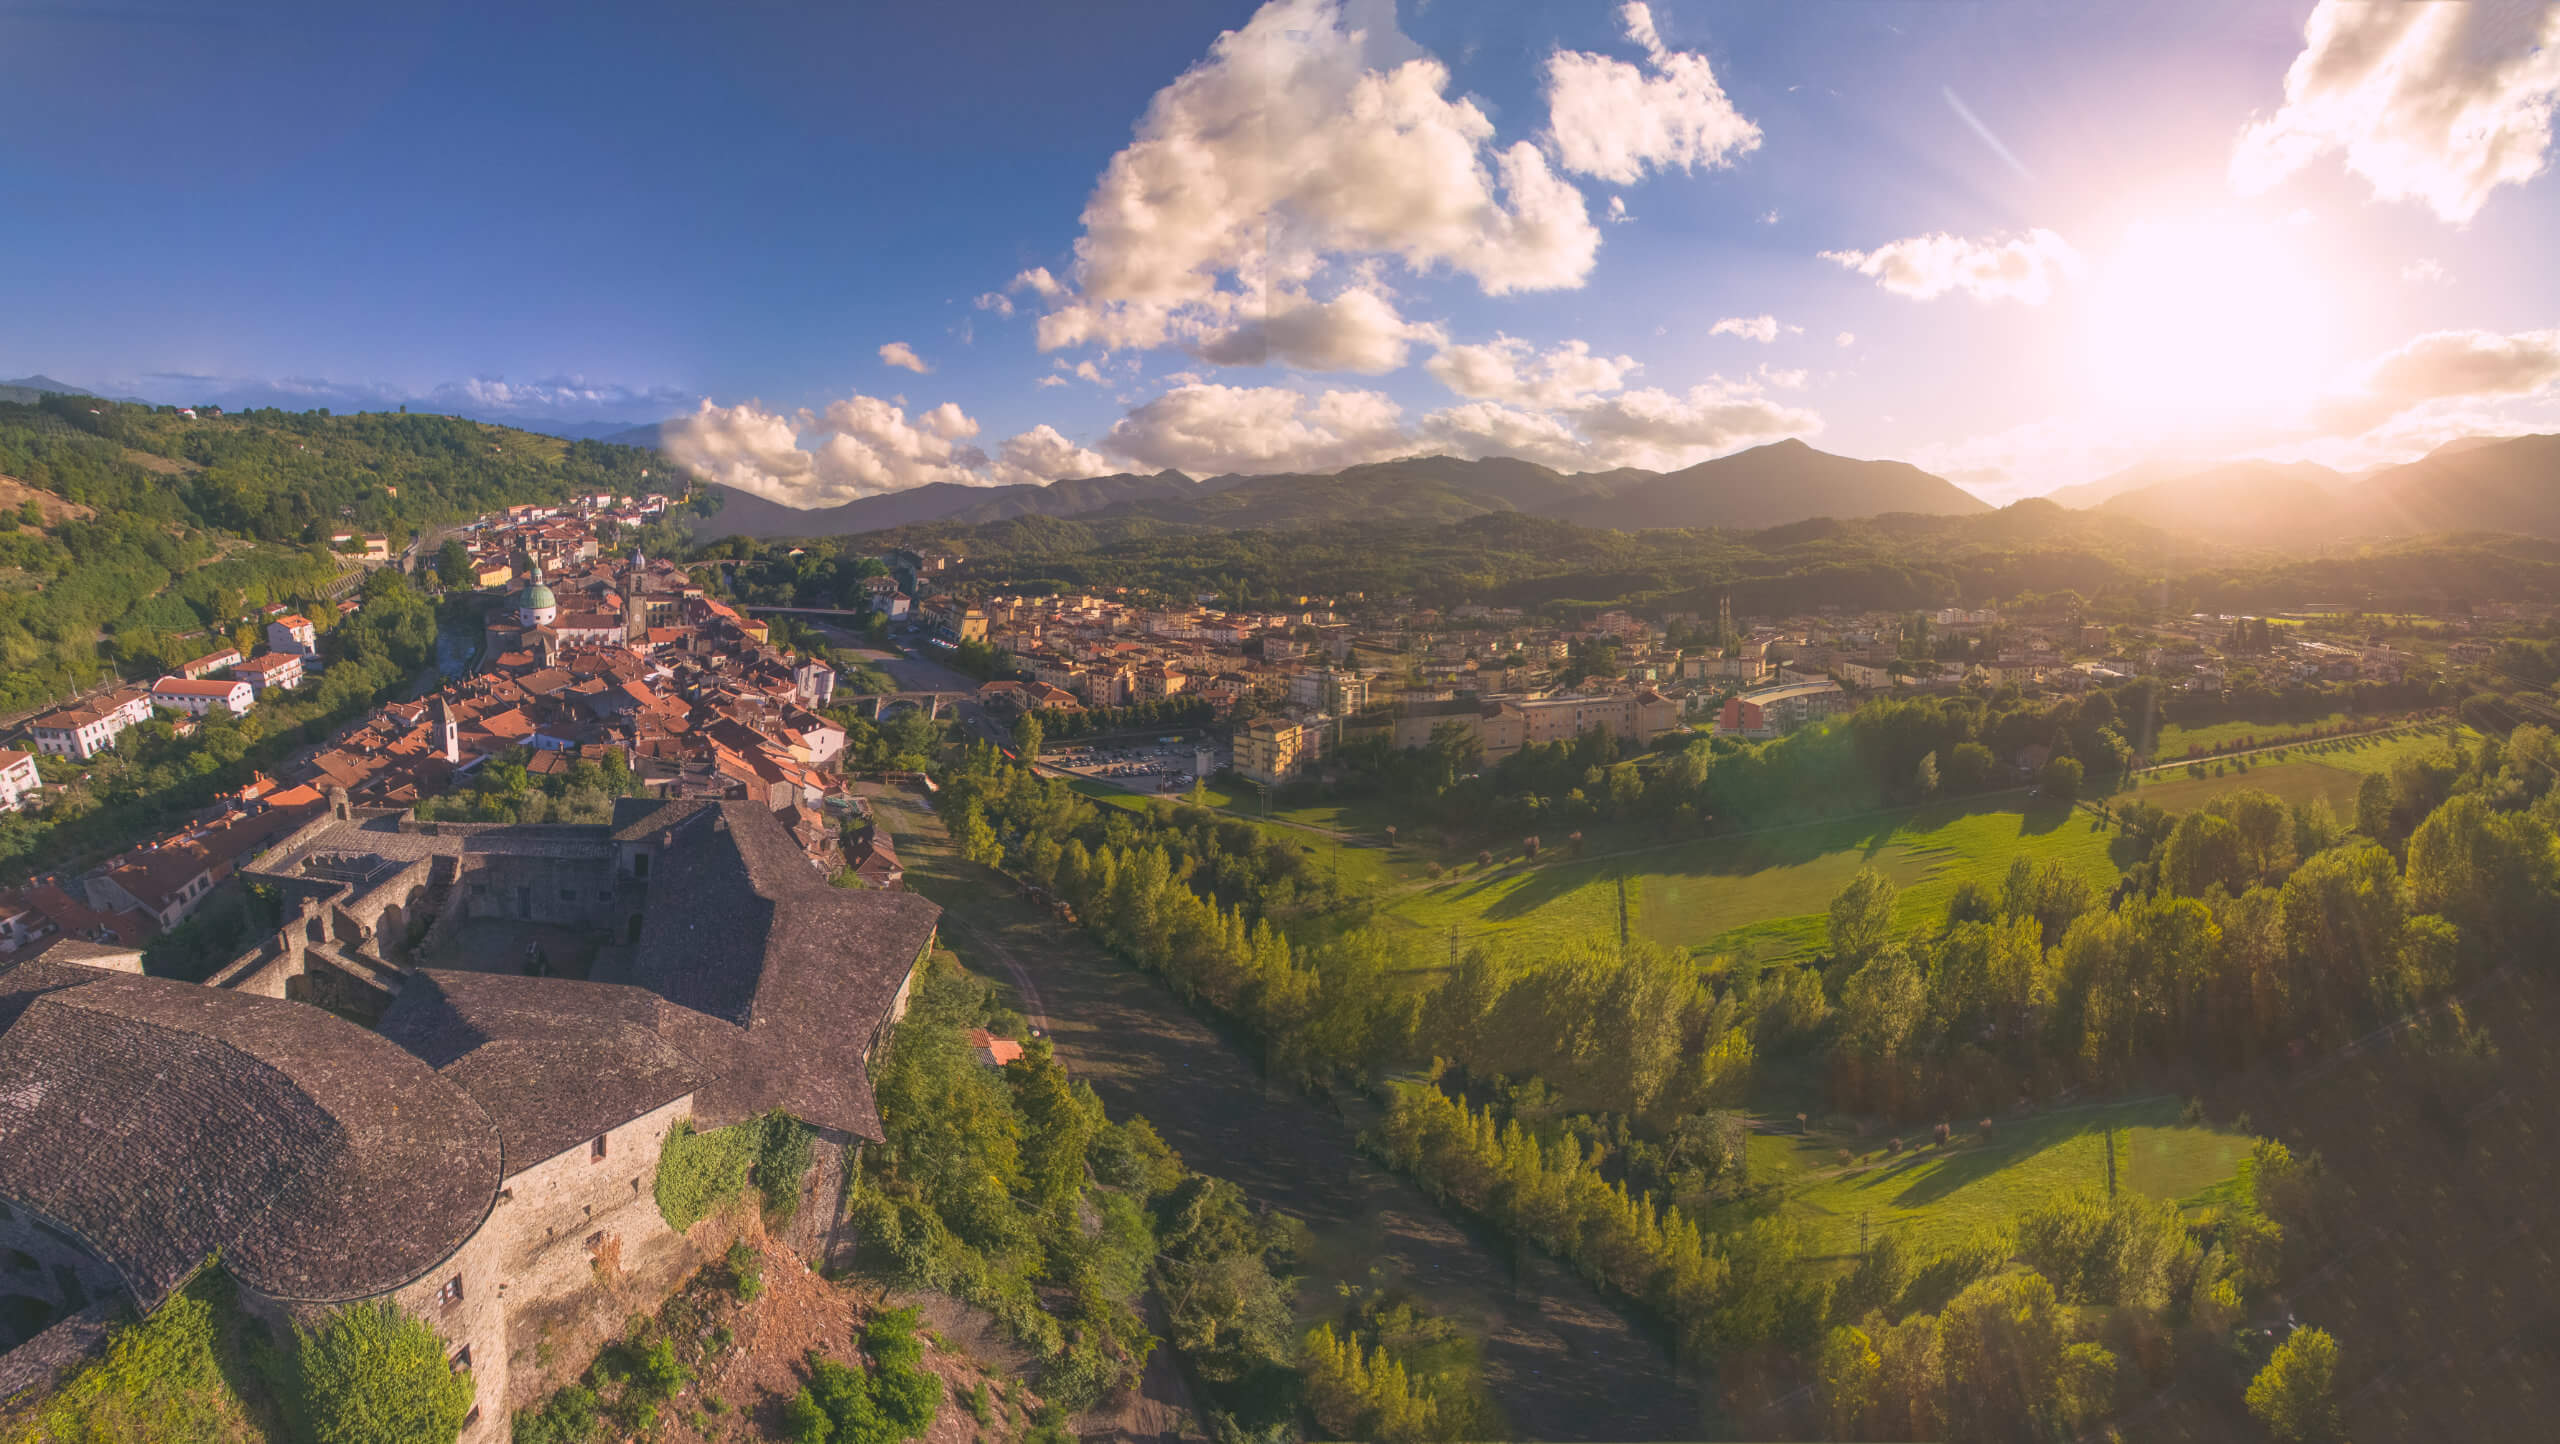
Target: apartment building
196 698
19 780
271 671
84 731
1771 711
1274 751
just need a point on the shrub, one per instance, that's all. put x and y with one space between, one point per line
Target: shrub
1943 1134
697 1172
745 1268
803 1422
2292 1394
567 1417
373 1375
160 1378
1893 1145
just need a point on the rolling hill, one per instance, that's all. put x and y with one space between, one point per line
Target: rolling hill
2243 503
1765 486
743 513
1773 485
2468 486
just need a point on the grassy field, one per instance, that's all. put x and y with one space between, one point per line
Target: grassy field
2176 739
1936 1198
2330 770
1756 898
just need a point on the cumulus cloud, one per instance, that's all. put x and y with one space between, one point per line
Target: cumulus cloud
1305 140
856 447
1042 455
1615 121
1793 379
2019 268
1663 430
1207 429
1845 338
1749 328
1507 369
996 301
2426 270
2440 104
1358 330
1618 211
899 353
2474 365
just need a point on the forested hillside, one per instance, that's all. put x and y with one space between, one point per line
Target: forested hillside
1889 562
190 522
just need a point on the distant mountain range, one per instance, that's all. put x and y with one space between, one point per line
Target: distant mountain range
2474 484
1766 486
27 390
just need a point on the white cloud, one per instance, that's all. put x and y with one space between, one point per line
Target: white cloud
2020 268
1087 371
1042 455
859 446
1657 429
1618 211
1052 379
899 353
1301 141
1358 330
2434 103
1038 282
2426 270
996 301
1209 429
1845 338
1768 218
1610 119
1206 429
1749 328
1785 380
1508 369
2441 365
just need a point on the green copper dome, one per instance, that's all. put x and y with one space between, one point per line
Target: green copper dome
538 596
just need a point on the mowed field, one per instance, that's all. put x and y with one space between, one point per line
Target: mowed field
1762 897
2174 739
2329 770
1934 1197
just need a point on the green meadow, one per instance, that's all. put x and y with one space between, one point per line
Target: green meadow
2329 771
1934 1196
1760 897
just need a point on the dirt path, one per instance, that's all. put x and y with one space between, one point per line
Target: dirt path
1562 1362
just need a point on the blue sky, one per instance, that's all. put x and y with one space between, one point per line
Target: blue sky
2021 244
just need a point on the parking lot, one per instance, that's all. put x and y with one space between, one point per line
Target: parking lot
1137 765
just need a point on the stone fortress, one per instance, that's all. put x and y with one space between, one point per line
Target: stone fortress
545 1004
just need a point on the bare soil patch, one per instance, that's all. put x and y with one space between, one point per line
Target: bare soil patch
15 494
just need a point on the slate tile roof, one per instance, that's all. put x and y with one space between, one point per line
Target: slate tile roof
554 1061
164 1122
740 927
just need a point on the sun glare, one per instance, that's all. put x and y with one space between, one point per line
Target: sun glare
2203 321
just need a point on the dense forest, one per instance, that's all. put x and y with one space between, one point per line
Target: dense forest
1582 1099
2122 569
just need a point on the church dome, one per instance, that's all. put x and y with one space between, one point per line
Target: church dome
537 597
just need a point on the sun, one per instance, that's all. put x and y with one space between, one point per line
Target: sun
2207 321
